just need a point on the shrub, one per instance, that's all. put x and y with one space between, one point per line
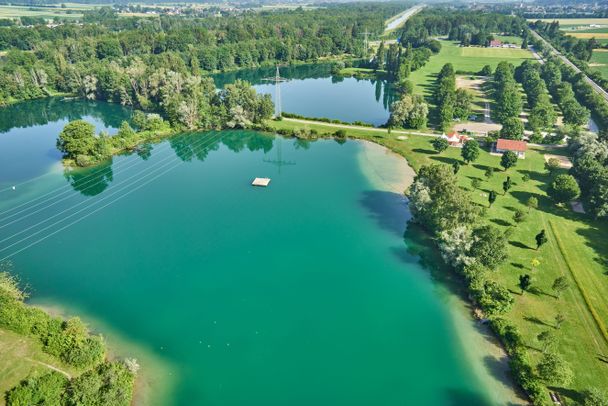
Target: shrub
47 389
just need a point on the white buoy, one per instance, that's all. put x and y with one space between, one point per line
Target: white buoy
14 188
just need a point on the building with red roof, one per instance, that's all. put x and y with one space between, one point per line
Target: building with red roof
455 139
519 147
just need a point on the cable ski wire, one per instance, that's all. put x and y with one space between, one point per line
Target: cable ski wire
134 162
120 166
147 169
170 167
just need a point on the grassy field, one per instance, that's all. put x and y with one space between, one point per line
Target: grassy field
22 356
599 62
509 39
576 250
469 59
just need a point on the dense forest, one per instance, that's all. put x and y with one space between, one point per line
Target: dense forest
125 60
470 28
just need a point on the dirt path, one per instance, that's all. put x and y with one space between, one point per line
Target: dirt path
49 366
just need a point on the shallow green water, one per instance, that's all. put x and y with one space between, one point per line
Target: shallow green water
302 293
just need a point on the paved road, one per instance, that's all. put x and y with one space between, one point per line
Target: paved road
402 18
357 127
594 85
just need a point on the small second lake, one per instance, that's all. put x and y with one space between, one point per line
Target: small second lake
312 91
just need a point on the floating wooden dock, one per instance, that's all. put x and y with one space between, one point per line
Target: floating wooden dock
261 182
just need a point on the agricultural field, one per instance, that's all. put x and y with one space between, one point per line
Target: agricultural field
71 10
567 22
575 250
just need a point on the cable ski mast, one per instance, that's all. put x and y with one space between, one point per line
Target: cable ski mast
277 79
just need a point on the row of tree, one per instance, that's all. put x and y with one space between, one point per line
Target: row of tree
574 113
399 62
581 49
506 94
451 102
542 114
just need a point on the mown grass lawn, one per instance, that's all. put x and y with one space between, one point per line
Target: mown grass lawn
577 250
465 60
599 62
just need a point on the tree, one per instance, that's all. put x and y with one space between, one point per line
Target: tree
440 144
489 246
524 282
476 183
506 185
512 129
595 397
559 285
437 202
552 164
547 339
494 299
486 71
532 203
508 159
564 189
77 138
489 173
410 111
519 216
541 239
470 151
455 167
462 103
508 102
492 197
554 370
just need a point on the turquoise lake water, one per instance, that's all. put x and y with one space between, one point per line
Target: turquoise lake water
302 293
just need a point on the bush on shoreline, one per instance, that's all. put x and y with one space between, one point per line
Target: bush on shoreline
103 382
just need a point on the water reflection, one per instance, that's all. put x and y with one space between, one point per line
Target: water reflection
91 181
256 76
312 91
43 111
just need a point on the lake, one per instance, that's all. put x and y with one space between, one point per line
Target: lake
311 91
302 293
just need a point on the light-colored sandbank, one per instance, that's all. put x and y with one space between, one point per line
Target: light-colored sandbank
390 172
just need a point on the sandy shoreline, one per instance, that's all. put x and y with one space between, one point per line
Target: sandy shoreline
389 171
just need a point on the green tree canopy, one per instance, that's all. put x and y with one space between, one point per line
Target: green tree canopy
564 188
